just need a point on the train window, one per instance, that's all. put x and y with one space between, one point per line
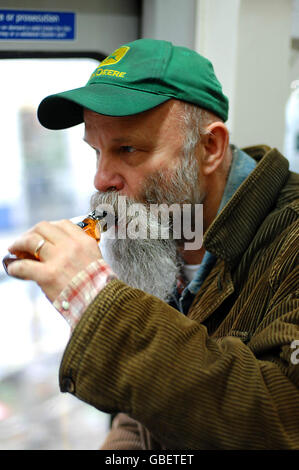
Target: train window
45 175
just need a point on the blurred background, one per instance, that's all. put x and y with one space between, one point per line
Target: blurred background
254 47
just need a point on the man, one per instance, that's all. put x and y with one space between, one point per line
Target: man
191 349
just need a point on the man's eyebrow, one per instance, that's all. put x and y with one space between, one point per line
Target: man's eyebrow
125 140
115 139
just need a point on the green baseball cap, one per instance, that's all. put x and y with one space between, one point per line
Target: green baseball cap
137 77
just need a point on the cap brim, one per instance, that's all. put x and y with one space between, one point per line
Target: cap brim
64 110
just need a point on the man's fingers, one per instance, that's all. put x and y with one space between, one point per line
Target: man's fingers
59 232
70 229
54 233
25 269
29 243
50 231
66 251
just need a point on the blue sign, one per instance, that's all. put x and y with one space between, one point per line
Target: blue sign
16 25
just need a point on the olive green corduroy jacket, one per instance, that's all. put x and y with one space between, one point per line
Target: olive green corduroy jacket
226 376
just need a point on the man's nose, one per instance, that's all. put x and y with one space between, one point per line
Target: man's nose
108 176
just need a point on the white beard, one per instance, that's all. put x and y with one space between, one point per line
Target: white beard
149 265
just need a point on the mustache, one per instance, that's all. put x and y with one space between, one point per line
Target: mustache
109 199
115 209
107 205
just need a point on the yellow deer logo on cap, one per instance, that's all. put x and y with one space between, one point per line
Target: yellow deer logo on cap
115 57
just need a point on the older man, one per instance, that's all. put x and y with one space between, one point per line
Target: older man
191 349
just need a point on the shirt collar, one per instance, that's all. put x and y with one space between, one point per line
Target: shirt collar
241 166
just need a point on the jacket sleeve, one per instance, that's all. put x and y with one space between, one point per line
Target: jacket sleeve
133 353
127 434
124 434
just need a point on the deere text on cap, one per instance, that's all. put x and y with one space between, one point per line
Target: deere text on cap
136 77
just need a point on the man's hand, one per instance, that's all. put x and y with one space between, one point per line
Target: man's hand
66 251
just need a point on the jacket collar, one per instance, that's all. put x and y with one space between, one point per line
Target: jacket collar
236 224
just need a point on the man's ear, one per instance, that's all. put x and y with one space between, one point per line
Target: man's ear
215 145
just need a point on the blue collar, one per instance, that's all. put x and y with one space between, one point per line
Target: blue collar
241 166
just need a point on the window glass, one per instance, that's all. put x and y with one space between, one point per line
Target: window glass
45 175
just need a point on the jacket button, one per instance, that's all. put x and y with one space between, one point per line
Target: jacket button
67 385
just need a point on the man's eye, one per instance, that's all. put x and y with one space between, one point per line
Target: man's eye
127 149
